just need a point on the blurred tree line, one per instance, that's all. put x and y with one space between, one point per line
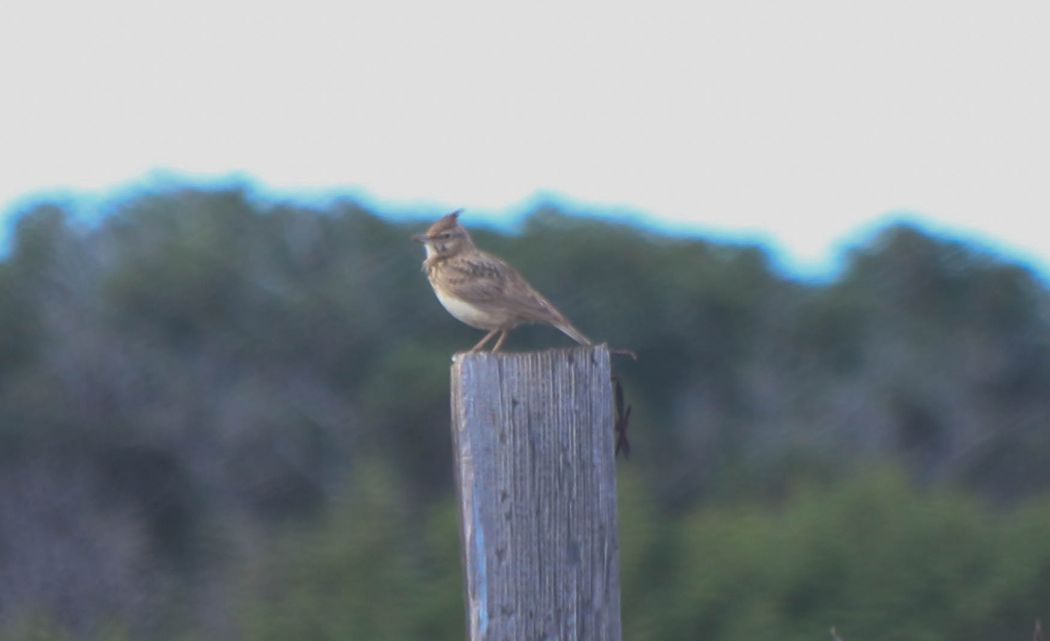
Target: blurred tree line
223 417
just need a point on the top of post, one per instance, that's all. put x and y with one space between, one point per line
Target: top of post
595 352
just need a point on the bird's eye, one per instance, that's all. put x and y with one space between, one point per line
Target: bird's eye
445 235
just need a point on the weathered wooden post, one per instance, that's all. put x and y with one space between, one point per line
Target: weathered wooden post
533 446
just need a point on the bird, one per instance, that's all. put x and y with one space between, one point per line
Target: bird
482 290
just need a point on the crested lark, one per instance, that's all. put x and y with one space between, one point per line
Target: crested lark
482 290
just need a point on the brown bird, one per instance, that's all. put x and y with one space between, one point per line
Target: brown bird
482 290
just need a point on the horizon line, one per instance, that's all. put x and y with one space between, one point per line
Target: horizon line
89 205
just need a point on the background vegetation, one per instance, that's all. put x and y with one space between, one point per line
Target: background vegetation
226 418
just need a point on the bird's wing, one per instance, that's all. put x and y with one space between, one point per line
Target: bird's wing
485 279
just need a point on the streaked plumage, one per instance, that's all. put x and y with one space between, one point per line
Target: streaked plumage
482 290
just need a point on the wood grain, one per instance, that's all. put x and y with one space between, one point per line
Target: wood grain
533 447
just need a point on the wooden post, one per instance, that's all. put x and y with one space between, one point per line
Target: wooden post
533 445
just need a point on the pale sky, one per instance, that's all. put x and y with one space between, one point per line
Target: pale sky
800 122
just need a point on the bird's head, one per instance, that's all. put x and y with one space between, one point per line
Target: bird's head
446 237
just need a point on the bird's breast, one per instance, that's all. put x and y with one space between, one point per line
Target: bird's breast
468 313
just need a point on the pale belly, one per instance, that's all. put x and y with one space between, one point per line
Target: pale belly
469 314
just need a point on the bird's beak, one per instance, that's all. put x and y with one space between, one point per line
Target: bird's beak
420 238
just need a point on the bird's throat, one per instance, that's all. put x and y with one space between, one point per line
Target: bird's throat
432 261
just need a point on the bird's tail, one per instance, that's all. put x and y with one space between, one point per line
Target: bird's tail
573 333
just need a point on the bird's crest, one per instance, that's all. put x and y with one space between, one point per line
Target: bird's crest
445 223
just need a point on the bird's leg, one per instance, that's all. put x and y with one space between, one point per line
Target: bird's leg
484 340
502 337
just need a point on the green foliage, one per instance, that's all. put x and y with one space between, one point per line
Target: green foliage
187 382
35 627
873 557
371 570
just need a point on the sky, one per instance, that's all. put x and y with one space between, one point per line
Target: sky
801 124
